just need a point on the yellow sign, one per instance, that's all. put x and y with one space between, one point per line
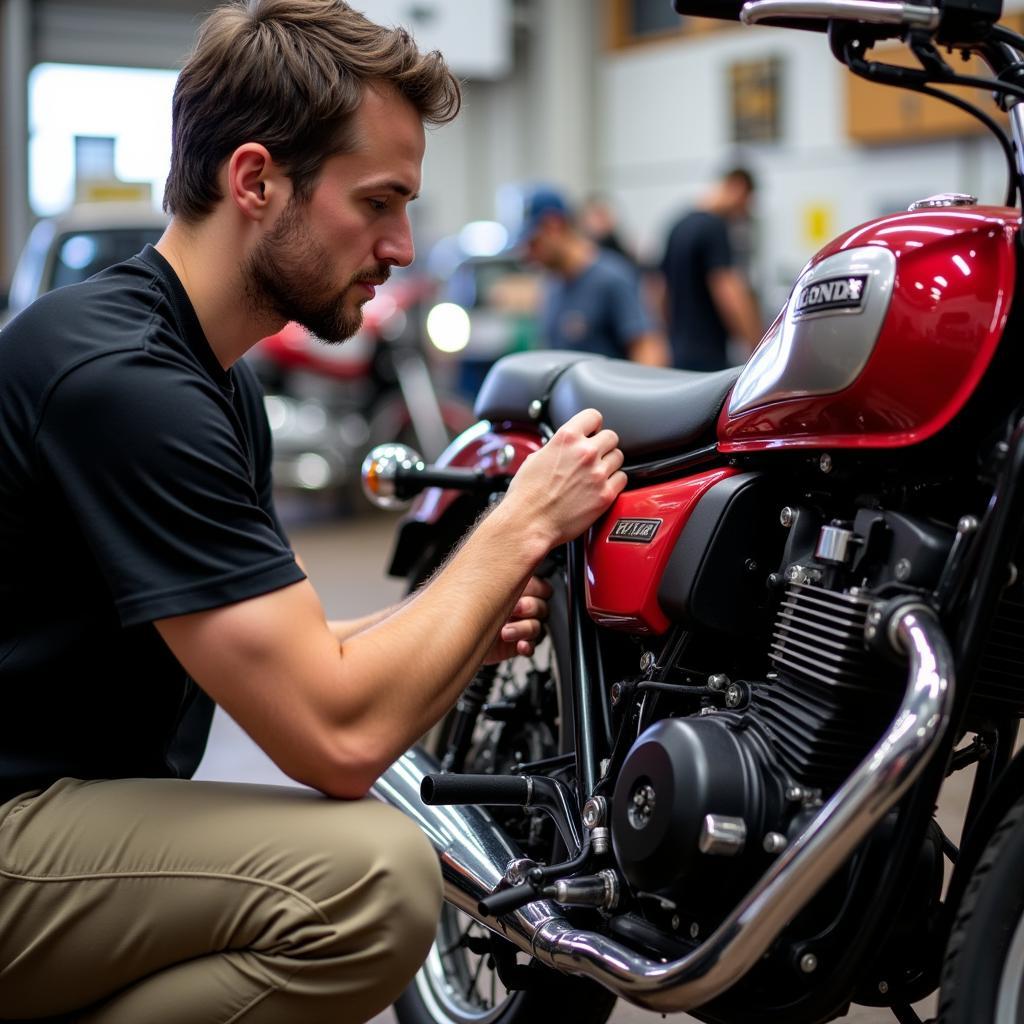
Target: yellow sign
817 220
114 192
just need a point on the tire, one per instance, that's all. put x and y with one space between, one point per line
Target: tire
983 974
459 986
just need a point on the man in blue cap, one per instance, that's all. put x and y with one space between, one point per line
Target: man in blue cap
593 301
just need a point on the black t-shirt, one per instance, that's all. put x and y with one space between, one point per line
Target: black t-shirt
697 245
134 485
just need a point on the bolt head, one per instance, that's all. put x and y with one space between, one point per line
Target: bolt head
883 987
871 632
616 692
647 660
966 524
694 930
774 842
675 922
535 409
825 462
733 696
787 517
903 569
808 963
718 681
795 793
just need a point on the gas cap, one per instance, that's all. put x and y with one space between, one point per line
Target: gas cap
944 199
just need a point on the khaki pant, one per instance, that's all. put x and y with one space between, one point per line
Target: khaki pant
169 902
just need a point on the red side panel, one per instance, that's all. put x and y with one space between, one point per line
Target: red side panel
624 567
955 275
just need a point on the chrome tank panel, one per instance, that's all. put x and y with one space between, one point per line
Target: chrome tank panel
826 333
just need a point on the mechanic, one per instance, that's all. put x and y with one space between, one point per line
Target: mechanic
144 574
592 301
706 297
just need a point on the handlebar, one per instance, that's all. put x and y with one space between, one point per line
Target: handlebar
393 474
951 21
873 12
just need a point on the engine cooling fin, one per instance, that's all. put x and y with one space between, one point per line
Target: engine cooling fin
829 700
1000 676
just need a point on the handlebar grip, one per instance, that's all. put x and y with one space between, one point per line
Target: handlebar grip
410 481
504 901
496 790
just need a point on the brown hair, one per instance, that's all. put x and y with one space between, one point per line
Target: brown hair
289 74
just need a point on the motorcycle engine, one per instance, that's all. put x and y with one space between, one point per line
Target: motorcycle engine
707 795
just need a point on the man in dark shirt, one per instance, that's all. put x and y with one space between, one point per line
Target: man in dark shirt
144 574
592 302
707 299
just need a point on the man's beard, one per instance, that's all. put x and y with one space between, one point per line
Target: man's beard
286 277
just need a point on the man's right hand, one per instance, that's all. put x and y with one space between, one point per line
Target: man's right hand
575 477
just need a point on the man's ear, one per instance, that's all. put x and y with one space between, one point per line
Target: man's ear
253 180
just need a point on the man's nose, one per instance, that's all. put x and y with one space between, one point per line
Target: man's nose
396 247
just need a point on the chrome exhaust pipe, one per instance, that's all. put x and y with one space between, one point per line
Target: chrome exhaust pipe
474 852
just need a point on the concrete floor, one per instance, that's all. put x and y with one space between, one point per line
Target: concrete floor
346 563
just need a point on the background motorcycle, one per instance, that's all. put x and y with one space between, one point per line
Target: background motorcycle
715 792
327 403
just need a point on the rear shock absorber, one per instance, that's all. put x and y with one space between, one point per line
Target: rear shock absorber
467 711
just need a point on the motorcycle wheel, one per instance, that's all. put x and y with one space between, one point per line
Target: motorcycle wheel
983 974
456 985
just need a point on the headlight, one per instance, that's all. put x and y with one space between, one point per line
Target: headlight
448 327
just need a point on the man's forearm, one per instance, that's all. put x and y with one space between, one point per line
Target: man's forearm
413 664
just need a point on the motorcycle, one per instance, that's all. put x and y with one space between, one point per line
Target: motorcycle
714 792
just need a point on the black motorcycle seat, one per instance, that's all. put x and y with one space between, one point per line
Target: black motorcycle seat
653 410
516 381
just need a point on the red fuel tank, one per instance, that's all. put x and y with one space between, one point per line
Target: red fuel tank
884 337
628 549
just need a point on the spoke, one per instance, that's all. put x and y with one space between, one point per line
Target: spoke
459 943
494 976
471 987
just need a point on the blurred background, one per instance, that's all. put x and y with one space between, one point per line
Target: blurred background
630 112
626 108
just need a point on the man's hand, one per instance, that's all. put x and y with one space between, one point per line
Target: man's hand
566 485
522 631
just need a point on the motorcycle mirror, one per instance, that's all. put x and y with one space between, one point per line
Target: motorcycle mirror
381 472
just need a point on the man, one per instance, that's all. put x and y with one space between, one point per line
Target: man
143 570
707 299
593 301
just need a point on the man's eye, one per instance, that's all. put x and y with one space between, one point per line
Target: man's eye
378 204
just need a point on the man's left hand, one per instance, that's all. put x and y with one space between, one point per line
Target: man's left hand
523 630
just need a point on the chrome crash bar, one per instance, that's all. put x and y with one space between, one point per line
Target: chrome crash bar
474 852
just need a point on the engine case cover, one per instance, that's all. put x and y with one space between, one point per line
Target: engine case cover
678 771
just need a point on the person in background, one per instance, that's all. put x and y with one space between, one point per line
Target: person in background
144 574
600 224
706 297
592 301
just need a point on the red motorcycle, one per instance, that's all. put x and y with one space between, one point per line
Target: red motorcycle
716 790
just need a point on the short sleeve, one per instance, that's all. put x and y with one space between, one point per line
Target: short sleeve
717 248
626 310
157 465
